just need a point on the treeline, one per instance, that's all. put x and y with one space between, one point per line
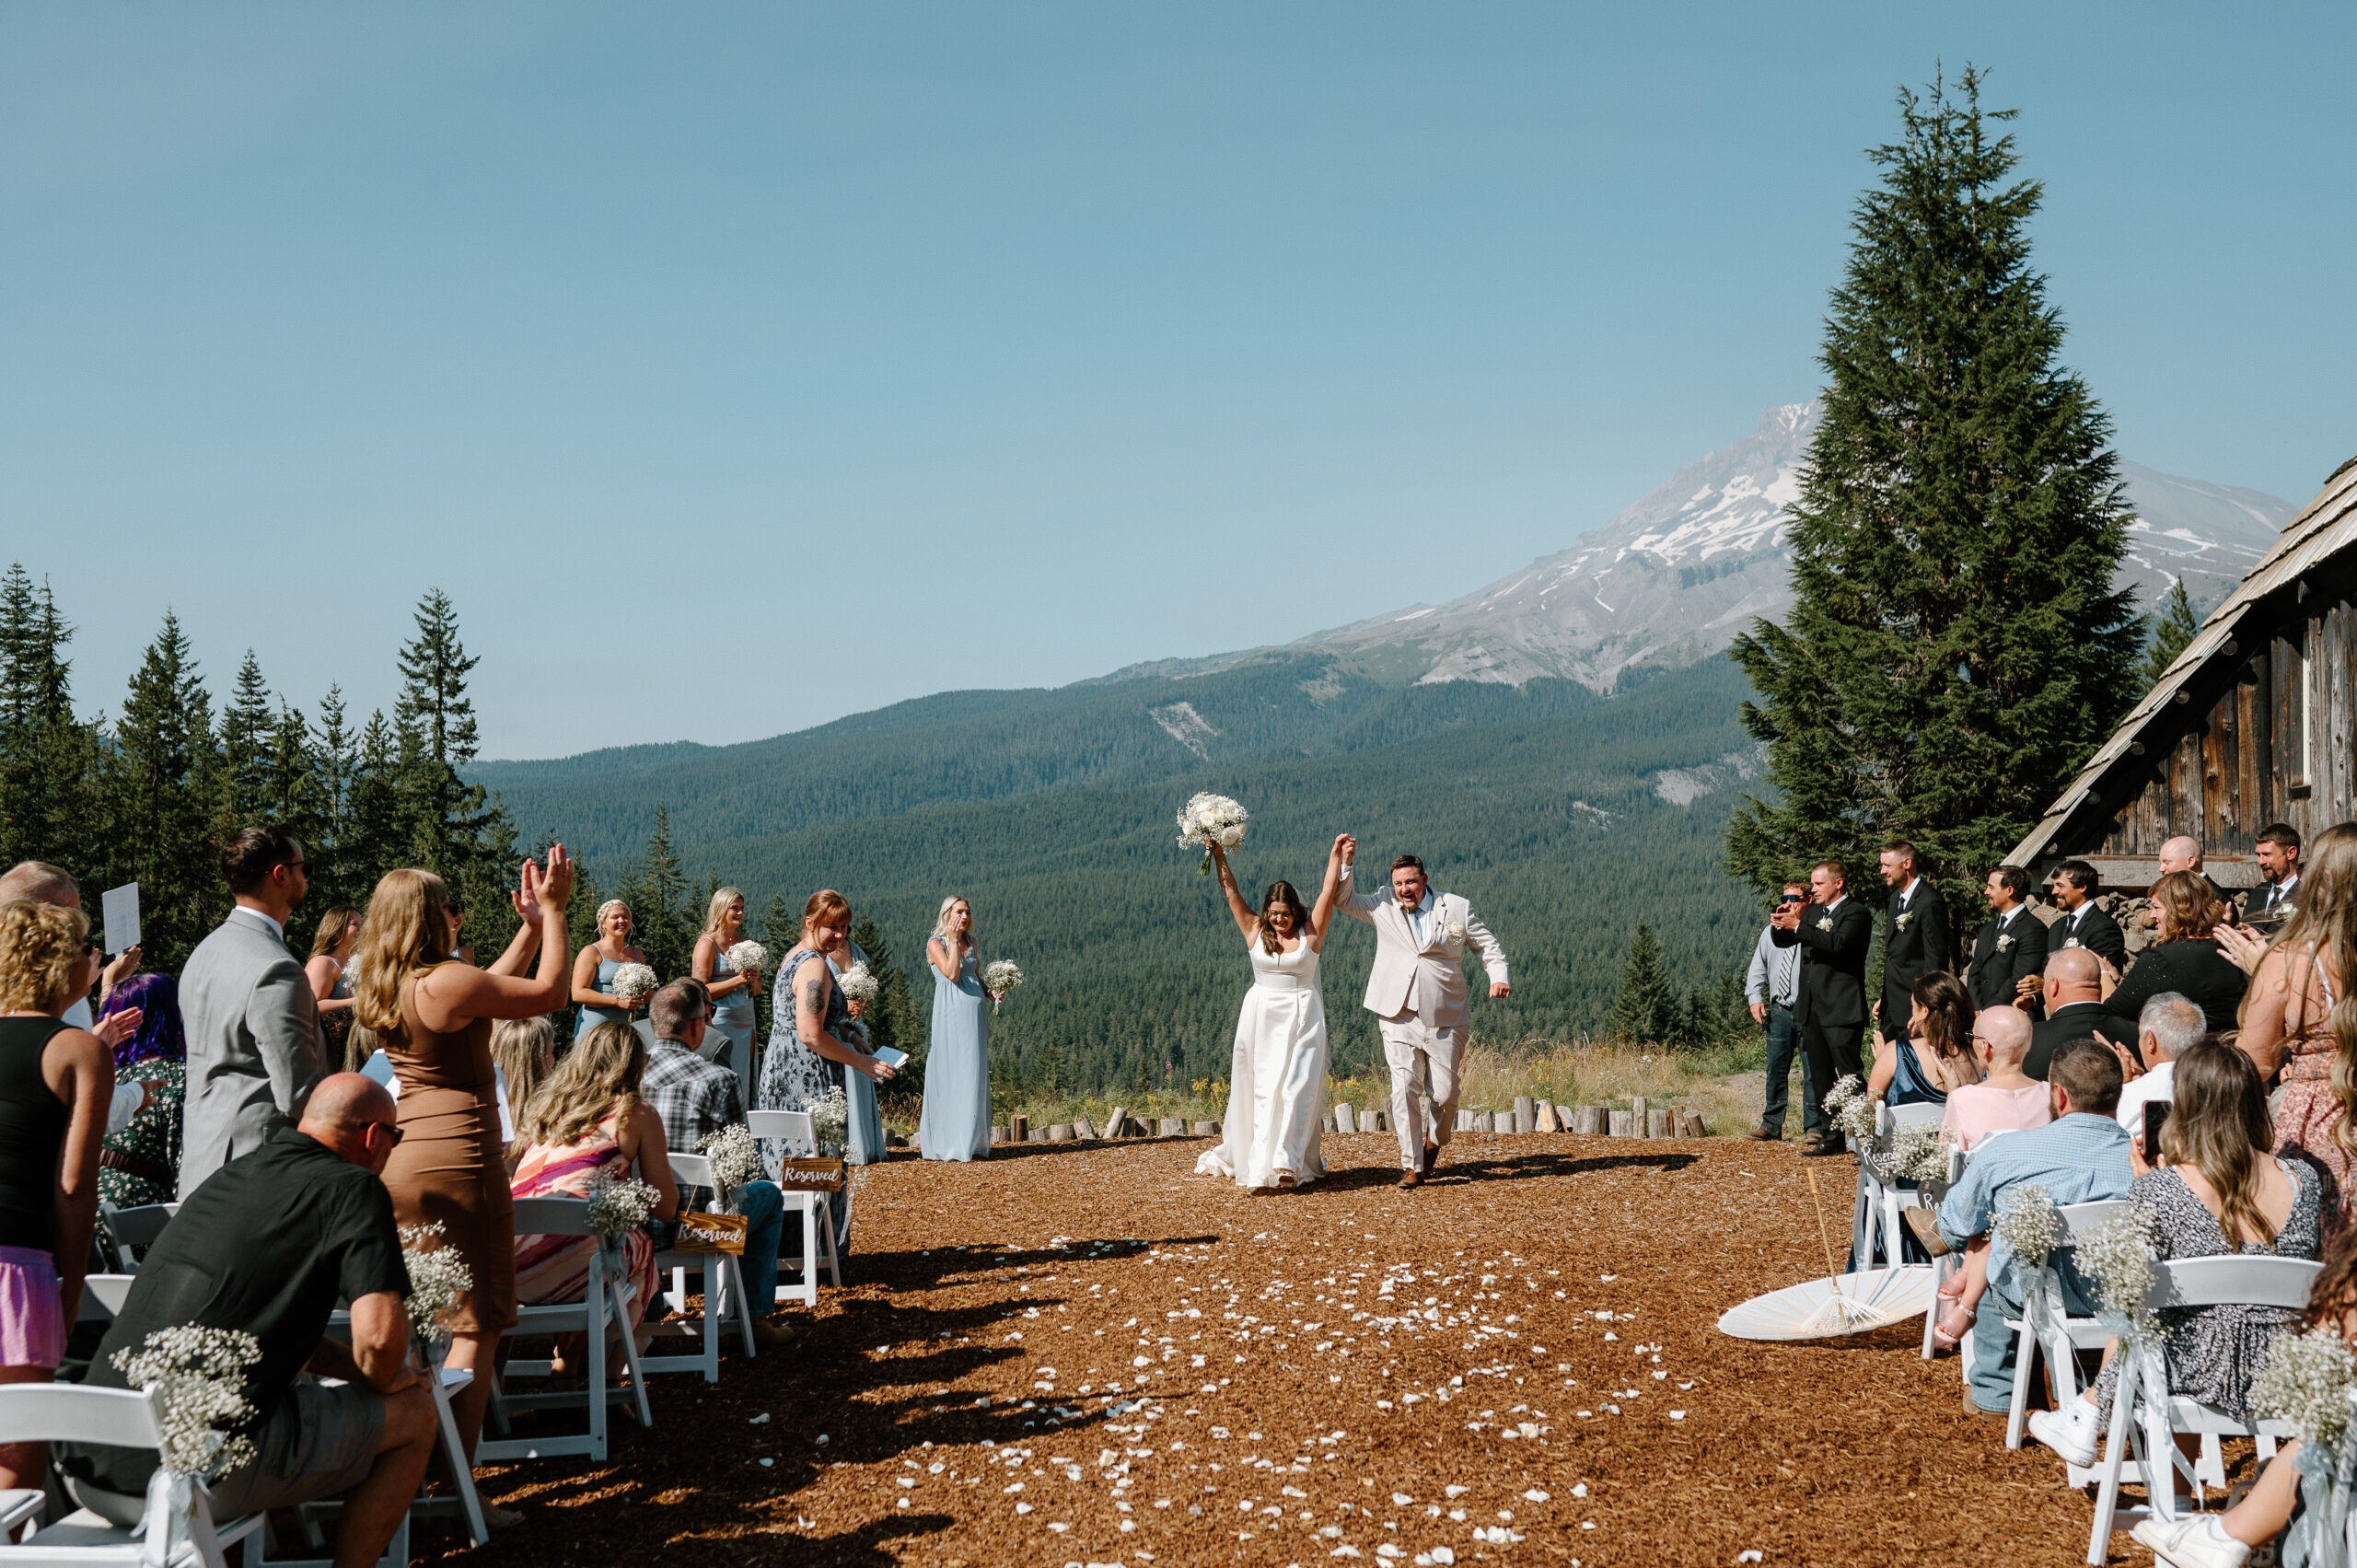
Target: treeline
1648 1009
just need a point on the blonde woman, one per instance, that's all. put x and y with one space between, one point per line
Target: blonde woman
956 1124
2288 1017
523 1054
433 1014
55 1081
728 1039
593 972
331 981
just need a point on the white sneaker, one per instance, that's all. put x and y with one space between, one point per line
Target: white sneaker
2199 1542
2071 1433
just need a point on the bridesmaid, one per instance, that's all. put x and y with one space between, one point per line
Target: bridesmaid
956 1124
434 1015
331 984
731 1030
864 1128
594 969
811 1051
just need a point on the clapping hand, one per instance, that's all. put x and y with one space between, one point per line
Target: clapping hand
553 888
2242 947
2128 1066
116 1028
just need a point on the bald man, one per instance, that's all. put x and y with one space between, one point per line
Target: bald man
267 1244
2184 854
2074 1010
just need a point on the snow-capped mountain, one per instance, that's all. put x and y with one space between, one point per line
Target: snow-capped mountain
1673 579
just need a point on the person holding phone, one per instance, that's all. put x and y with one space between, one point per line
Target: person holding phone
1773 987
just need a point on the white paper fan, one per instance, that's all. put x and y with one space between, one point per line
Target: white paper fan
1886 1294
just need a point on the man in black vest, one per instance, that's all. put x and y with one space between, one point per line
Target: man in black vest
2083 922
1833 933
2010 948
1914 934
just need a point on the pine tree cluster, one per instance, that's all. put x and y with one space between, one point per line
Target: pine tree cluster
1648 1011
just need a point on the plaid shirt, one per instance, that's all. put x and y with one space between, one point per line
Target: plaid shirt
694 1097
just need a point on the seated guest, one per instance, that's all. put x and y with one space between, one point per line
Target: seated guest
2083 922
141 1163
1932 1057
2217 1192
2079 1158
2185 959
2007 1100
523 1054
2074 1008
267 1246
697 1097
55 1083
588 1119
2166 1030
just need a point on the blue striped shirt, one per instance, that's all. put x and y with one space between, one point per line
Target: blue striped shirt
2082 1158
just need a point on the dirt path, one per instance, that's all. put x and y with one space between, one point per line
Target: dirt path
1084 1354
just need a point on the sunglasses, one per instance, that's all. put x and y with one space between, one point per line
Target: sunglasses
1790 899
392 1134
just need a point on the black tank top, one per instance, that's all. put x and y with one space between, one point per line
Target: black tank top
32 1130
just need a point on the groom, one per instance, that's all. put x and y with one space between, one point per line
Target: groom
1417 991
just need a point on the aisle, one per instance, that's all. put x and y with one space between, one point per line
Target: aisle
1042 1349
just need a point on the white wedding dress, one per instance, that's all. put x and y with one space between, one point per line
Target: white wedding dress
1276 1090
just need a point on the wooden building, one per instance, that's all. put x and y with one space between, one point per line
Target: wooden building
2252 725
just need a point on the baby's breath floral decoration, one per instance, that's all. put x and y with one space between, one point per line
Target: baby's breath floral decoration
1852 1110
749 957
735 1159
1001 977
859 984
831 1118
617 1207
2121 1262
633 983
204 1375
437 1277
2029 1225
2307 1381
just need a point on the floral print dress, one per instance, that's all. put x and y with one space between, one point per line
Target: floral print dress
141 1165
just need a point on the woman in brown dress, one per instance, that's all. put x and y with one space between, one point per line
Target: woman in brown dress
433 1014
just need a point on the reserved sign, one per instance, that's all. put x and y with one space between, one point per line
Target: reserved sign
807 1175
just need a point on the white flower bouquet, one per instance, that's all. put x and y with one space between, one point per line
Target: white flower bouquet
618 1207
2029 1225
1002 976
1851 1109
437 1277
747 957
1920 1153
859 985
2121 1262
735 1158
1209 819
829 1118
633 983
2307 1381
204 1375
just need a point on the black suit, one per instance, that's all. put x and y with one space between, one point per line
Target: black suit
2268 895
1994 973
1832 1009
1911 952
2095 931
2072 1020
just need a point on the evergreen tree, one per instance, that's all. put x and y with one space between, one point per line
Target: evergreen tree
1956 647
246 751
373 842
1646 1010
435 725
893 1019
291 794
44 797
2171 630
163 790
334 760
780 929
657 891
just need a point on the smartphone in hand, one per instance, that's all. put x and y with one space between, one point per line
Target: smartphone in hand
2156 1112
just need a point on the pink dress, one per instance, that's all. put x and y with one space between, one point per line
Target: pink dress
556 1268
2307 1118
1977 1110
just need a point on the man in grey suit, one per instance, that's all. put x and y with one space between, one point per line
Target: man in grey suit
254 1047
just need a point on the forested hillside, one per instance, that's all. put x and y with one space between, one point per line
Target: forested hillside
1052 811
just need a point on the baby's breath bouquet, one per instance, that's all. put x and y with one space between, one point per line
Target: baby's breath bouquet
204 1375
2121 1262
829 1118
437 1277
859 984
1851 1109
2029 1225
618 1207
735 1159
633 983
1207 819
1918 1152
1001 977
2307 1381
747 957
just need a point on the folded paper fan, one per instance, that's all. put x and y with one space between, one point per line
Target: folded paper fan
1808 1311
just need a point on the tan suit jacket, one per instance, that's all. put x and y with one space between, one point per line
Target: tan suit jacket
1425 978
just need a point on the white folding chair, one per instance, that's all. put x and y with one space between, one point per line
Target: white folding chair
2046 1326
1944 1268
1878 1203
167 1537
603 1311
793 1128
2146 1416
723 1288
443 1382
128 1232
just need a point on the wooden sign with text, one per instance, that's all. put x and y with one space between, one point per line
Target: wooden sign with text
803 1175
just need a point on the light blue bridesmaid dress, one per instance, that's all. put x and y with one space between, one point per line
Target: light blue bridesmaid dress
592 1016
865 1134
956 1120
732 1021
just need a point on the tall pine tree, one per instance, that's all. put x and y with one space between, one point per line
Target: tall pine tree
1956 647
164 779
434 724
1646 1010
2172 629
44 753
245 736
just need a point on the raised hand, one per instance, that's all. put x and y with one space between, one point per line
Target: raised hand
556 890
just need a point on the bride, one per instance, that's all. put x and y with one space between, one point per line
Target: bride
1277 1088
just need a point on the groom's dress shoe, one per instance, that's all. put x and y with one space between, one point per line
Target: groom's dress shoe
1411 1179
1432 1157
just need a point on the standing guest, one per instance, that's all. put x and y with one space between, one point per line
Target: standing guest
47 884
696 1098
2219 1193
2168 1027
2185 959
523 1054
729 1040
1914 932
813 1048
331 981
1932 1057
2011 948
593 972
955 1123
2075 1009
2291 1019
1833 933
55 1083
2277 850
2182 853
2083 922
434 1015
254 1047
141 1163
267 1247
864 1141
587 1121
1771 986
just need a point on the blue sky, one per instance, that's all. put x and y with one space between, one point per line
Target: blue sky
739 367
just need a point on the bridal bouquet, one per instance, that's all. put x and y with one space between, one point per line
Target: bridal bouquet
437 1277
859 985
633 983
1208 820
617 1207
735 1159
204 1375
1000 977
749 957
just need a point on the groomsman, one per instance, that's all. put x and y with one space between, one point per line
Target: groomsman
1833 933
2083 922
2010 948
2278 854
1914 934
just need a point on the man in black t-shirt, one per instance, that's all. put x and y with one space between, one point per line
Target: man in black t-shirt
268 1245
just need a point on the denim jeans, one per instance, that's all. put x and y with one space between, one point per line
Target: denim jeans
764 1207
1784 1044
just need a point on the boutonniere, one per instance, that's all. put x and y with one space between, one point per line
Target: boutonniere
2070 941
1906 918
1454 931
1825 922
2004 943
